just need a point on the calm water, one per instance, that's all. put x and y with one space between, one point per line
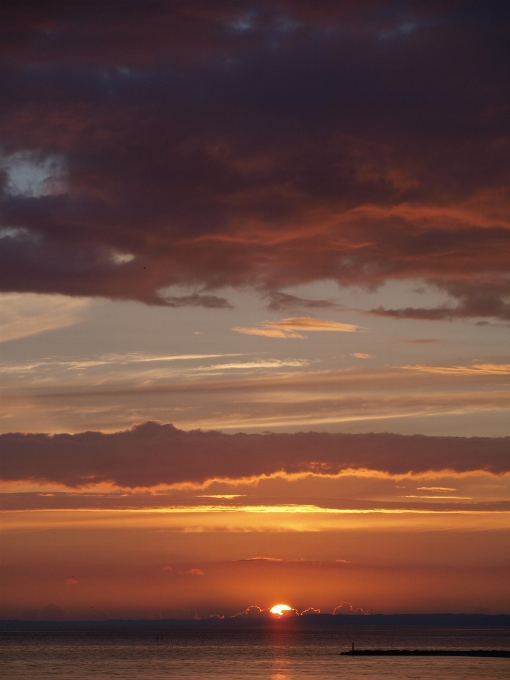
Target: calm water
85 652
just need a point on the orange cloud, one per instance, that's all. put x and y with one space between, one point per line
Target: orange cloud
476 369
261 559
267 332
278 560
195 572
347 608
252 612
71 581
287 328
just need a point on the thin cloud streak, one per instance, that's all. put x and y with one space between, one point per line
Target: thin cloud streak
320 382
107 360
266 396
268 332
25 315
286 328
475 369
269 519
247 365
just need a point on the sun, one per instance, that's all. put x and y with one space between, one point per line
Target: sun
280 608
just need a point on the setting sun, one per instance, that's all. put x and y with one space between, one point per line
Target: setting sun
280 608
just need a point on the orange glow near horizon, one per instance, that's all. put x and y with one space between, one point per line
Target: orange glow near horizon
127 563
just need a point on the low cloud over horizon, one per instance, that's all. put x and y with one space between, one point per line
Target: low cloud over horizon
152 454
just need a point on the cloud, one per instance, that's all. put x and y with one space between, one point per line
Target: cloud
71 581
305 323
253 612
265 397
107 360
280 300
195 572
361 355
153 454
167 568
346 608
28 314
475 369
286 613
286 328
478 298
268 332
196 300
261 559
259 363
278 560
187 139
435 488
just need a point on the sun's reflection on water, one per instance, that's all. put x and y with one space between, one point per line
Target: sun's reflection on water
280 670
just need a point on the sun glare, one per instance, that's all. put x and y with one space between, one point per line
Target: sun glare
280 608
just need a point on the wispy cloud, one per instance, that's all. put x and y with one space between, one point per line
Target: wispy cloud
279 300
288 328
28 314
247 397
278 560
268 332
475 369
261 363
436 488
260 559
108 360
458 498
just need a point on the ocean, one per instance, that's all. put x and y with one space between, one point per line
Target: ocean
272 651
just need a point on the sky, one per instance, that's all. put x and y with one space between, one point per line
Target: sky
255 307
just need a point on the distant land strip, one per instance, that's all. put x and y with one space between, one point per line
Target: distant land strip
499 653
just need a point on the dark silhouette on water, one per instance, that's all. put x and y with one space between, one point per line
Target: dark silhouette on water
496 653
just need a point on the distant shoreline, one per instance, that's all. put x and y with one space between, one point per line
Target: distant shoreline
301 622
496 653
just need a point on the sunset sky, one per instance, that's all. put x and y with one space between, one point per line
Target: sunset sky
255 305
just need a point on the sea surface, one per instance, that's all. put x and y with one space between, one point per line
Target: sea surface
277 652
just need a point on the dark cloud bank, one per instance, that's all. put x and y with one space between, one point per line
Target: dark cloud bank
152 454
258 144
